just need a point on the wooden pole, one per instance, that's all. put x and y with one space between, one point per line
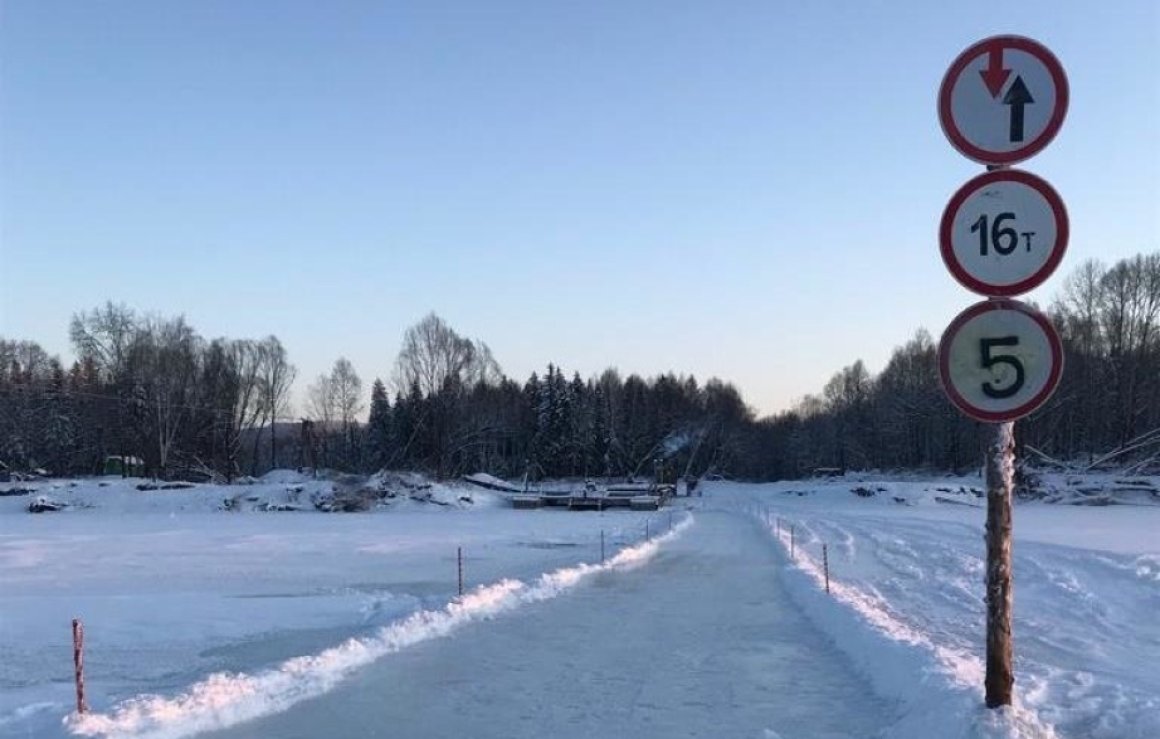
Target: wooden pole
1000 469
791 542
459 556
826 565
601 546
779 527
78 630
670 520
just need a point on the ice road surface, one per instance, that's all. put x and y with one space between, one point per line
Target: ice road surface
701 641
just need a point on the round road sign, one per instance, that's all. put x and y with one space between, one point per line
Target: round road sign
1003 100
1003 233
1000 360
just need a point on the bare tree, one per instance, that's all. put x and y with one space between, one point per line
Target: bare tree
322 408
347 388
104 335
164 357
275 377
483 367
320 402
433 354
245 411
348 396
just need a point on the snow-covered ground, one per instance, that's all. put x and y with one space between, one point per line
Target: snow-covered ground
906 566
207 609
172 588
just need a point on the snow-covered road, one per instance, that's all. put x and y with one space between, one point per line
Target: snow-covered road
700 642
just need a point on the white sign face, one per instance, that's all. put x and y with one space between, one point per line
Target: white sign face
1003 233
1000 360
1003 100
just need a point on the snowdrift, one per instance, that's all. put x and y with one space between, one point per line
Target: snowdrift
285 491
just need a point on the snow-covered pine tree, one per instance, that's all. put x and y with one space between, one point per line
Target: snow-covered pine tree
530 422
545 413
578 425
599 461
378 437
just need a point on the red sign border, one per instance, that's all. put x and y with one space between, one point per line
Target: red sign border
946 243
1030 406
1054 123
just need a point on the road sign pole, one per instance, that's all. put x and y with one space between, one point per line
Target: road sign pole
1000 472
78 630
1000 360
999 680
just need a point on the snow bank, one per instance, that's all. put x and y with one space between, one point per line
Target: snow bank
936 686
225 699
284 491
1096 488
908 580
911 489
285 477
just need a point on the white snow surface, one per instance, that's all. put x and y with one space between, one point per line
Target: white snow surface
199 618
278 491
172 588
907 603
225 699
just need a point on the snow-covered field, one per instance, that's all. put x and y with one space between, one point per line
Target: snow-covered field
206 609
171 588
907 570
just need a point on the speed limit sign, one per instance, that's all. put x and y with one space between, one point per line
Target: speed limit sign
1003 233
999 360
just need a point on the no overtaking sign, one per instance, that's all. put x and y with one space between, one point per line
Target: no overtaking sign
1003 100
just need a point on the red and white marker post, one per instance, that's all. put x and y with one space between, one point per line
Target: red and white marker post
1003 233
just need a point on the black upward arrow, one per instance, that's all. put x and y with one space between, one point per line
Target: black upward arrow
1017 96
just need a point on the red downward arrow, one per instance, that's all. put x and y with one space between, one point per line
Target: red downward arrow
994 76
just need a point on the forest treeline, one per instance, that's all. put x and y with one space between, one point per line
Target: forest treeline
1108 398
153 388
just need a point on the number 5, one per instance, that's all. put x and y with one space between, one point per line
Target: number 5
990 360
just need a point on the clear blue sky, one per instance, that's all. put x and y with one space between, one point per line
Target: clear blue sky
743 189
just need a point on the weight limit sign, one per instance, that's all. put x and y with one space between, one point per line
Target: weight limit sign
1003 233
999 360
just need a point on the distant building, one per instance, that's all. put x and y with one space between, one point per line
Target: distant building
124 466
